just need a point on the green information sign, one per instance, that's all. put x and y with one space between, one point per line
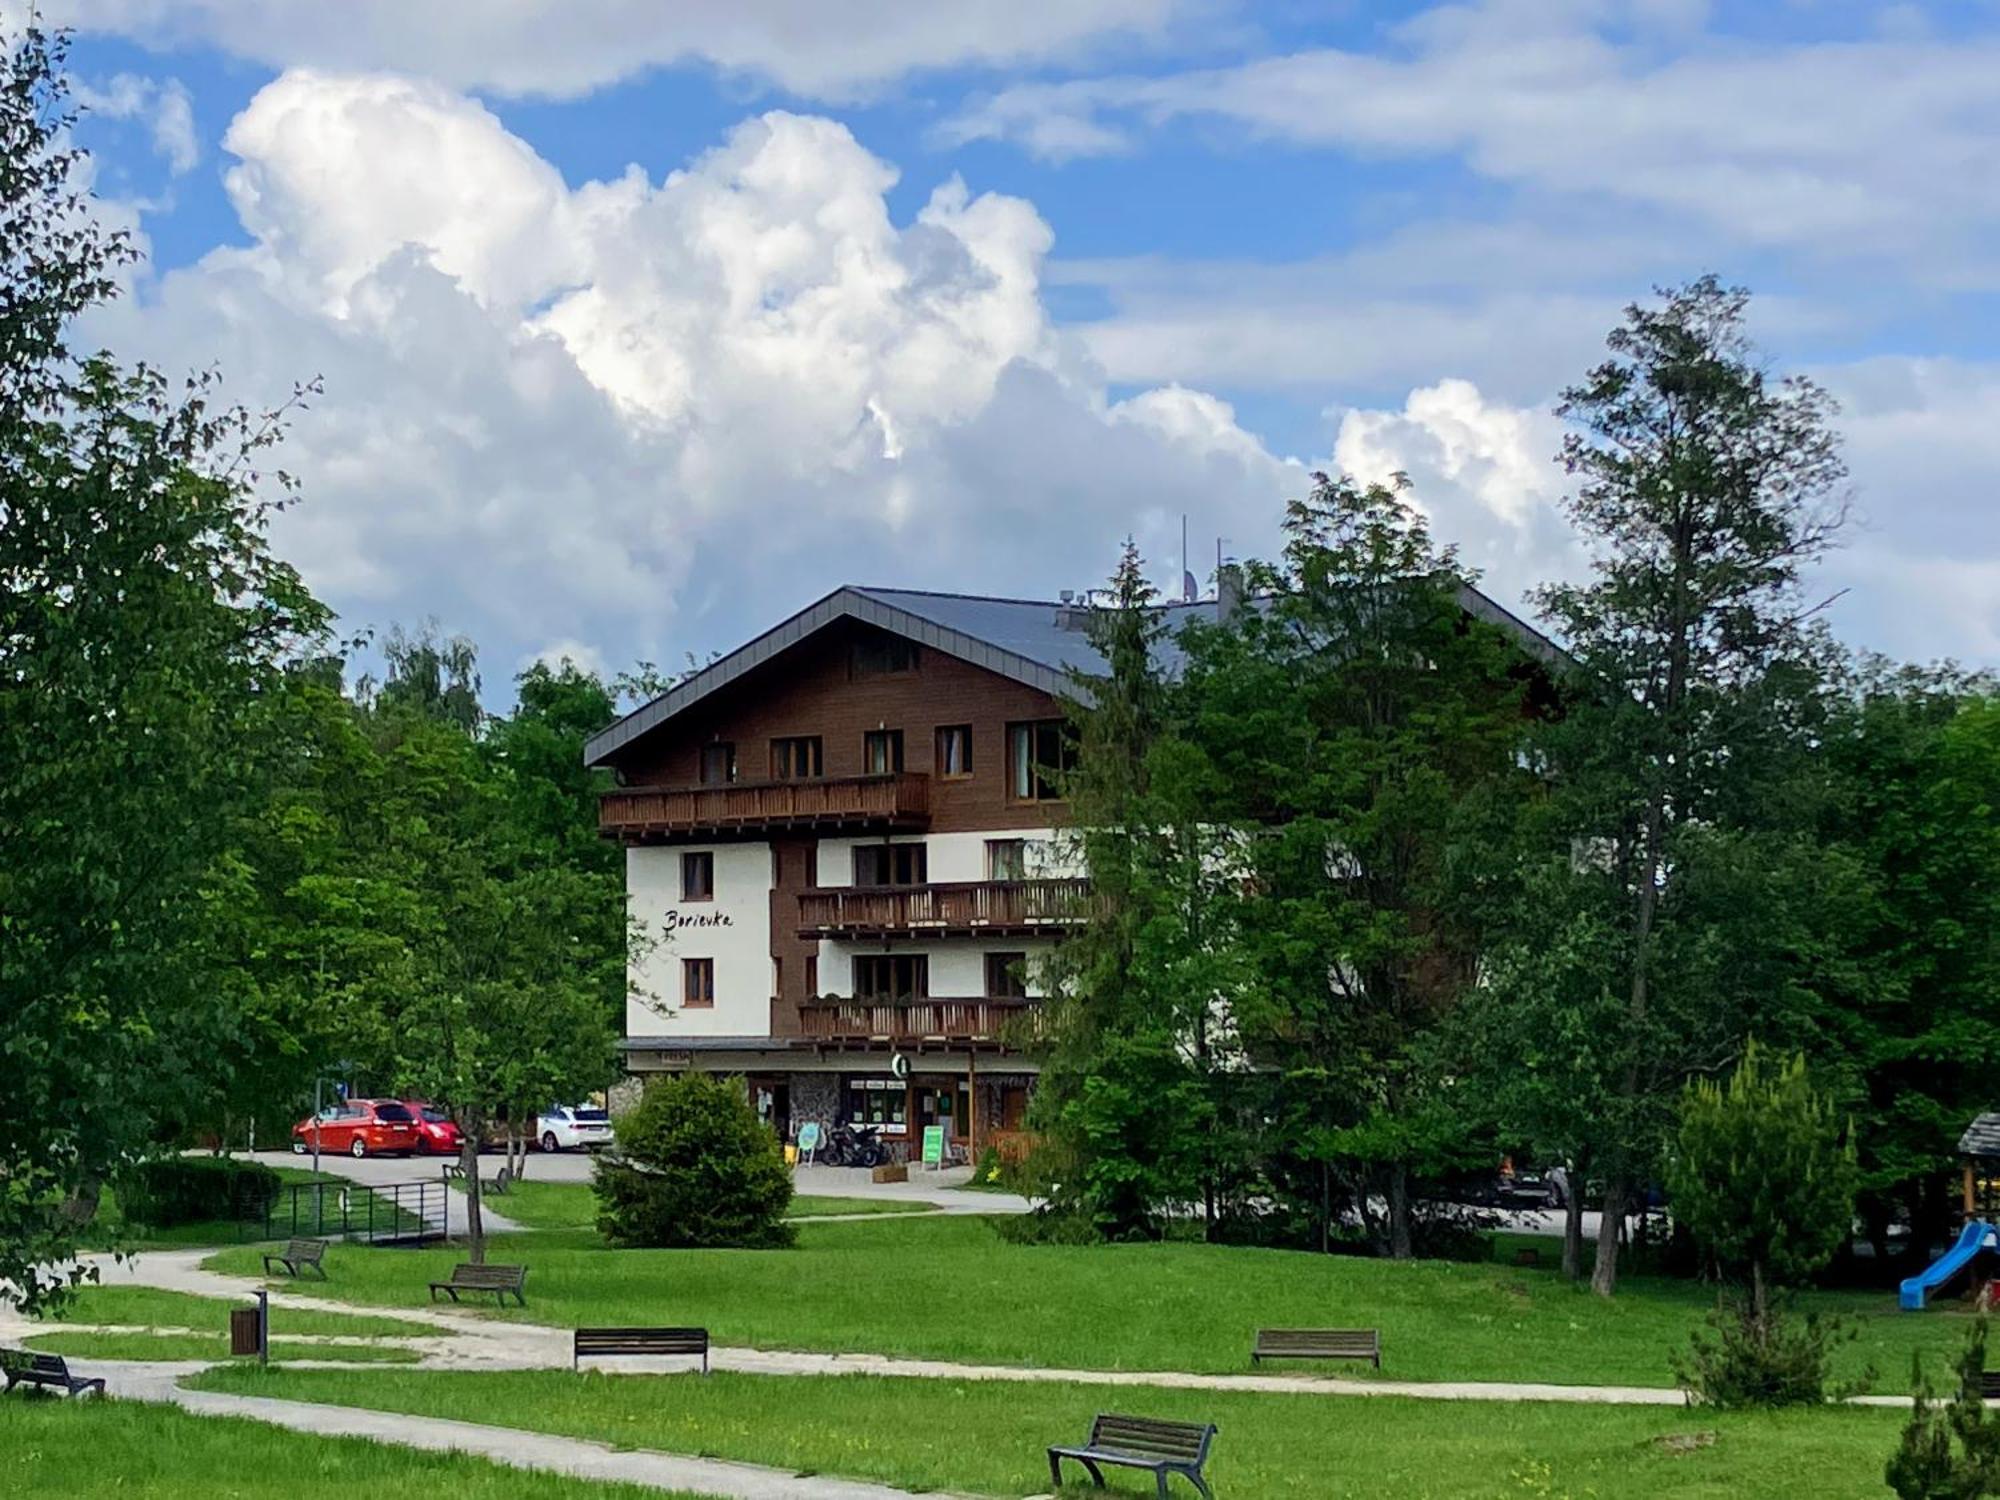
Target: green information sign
933 1145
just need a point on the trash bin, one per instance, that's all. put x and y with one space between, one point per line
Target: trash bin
243 1330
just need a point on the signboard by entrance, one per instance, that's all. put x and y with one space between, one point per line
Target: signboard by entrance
934 1145
808 1139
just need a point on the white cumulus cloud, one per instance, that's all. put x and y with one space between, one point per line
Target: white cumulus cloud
595 414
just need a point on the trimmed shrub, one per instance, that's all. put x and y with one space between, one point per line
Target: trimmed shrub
192 1189
694 1169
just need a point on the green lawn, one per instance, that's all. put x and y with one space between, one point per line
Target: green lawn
950 1288
148 1307
206 1346
572 1205
85 1450
990 1437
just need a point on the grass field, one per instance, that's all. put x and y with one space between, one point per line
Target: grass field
171 1346
990 1437
950 1288
85 1450
572 1205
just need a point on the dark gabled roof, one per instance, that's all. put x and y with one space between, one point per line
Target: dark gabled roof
1024 639
1981 1138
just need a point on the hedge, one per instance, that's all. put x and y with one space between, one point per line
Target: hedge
192 1189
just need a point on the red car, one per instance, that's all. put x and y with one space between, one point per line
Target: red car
437 1132
360 1127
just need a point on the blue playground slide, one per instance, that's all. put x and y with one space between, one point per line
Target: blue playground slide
1975 1237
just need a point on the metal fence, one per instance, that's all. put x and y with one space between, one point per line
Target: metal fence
411 1213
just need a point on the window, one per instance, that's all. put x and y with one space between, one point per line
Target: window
698 877
890 864
797 758
954 751
879 655
777 976
697 982
718 764
881 1102
1007 975
1006 859
1040 751
812 975
882 751
886 978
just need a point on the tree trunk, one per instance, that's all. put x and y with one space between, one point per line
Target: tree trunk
1573 1230
1400 1246
1604 1274
468 1161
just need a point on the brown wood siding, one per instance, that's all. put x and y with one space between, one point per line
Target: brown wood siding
794 863
807 691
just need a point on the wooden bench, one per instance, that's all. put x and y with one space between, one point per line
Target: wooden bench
498 1184
597 1342
1527 1256
297 1255
1162 1448
27 1367
1318 1343
1988 1385
499 1280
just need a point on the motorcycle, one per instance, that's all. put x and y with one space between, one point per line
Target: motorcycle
853 1146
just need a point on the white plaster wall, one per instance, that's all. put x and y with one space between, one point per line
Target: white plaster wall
952 857
957 965
734 929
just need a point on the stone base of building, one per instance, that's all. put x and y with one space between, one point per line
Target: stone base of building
979 1096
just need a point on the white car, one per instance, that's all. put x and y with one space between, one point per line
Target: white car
565 1127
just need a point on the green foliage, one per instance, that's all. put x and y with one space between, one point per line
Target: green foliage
695 1169
189 1189
145 635
1760 1357
1125 1096
1703 488
1763 1172
1950 1452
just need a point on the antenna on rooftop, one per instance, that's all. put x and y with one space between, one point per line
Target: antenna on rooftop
1189 593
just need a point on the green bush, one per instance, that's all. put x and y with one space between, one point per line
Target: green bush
195 1189
1763 1357
1949 1452
695 1169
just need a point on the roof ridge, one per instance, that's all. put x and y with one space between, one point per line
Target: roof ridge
874 588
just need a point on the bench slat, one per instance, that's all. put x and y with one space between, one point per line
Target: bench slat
1318 1343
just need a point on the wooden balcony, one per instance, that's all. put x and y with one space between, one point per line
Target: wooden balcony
654 814
967 908
833 1018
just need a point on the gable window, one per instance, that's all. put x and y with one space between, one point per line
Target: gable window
877 655
1040 752
891 978
1007 976
797 758
954 751
890 864
698 877
698 983
1006 859
882 751
718 764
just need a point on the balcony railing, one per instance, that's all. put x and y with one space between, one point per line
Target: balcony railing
968 907
830 1018
639 813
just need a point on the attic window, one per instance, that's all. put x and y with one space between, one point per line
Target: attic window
880 655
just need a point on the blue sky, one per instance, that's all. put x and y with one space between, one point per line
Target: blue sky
642 326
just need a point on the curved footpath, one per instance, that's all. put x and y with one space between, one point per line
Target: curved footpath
467 1341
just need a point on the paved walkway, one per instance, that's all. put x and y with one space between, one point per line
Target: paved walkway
467 1341
545 1452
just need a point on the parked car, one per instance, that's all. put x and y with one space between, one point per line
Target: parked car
360 1127
437 1132
565 1127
